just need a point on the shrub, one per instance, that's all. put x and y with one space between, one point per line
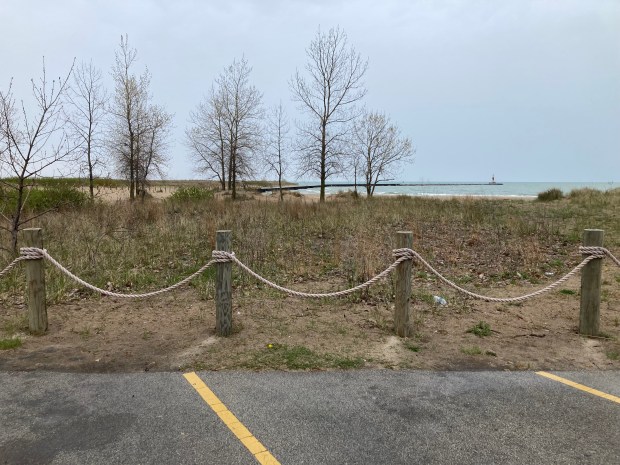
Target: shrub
584 193
39 199
481 329
192 193
551 194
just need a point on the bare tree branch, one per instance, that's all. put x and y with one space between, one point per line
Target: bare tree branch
30 145
138 130
87 100
328 95
377 148
225 134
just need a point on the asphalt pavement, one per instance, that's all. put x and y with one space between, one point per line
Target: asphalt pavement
352 417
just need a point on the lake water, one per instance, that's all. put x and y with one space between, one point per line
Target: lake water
508 189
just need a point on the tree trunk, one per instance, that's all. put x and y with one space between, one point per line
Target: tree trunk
91 183
230 170
223 166
132 176
90 163
323 156
17 215
234 179
280 184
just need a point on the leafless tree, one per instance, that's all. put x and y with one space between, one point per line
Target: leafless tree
153 142
86 111
378 148
328 95
206 139
277 144
242 113
135 122
127 104
225 134
32 139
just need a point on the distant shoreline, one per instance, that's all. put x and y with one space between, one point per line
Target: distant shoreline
455 189
399 184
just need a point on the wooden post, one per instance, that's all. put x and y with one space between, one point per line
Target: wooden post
223 287
35 278
404 239
590 309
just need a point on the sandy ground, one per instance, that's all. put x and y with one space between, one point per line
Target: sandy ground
176 332
112 194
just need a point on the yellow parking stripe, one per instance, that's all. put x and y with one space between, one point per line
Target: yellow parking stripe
256 448
581 387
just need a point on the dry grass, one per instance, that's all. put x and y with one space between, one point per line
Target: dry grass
144 246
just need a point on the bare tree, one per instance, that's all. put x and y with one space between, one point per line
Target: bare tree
87 98
225 134
30 144
135 122
126 106
242 113
206 139
328 95
153 142
277 144
377 148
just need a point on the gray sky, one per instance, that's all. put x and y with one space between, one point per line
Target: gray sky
525 90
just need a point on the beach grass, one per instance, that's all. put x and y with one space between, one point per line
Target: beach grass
141 246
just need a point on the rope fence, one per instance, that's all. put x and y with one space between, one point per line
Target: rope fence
403 258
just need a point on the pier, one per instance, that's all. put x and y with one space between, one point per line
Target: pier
297 188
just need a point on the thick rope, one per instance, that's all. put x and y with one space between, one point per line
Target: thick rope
598 252
359 287
42 253
595 252
26 253
401 255
11 265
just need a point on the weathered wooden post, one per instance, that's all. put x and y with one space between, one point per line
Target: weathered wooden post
590 309
35 278
404 239
223 287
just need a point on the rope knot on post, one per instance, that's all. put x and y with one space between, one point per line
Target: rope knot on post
596 252
32 253
404 253
220 256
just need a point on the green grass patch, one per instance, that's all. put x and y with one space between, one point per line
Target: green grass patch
567 292
191 194
473 350
40 199
277 356
613 355
421 296
412 347
481 329
12 343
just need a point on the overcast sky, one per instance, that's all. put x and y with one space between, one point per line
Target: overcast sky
525 90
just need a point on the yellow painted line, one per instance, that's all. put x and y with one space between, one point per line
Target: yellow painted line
256 448
581 387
